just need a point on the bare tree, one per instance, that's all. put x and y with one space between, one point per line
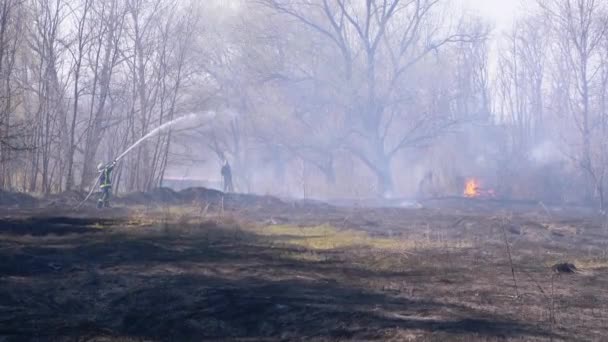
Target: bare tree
520 83
78 49
103 59
379 43
12 133
175 69
580 26
49 91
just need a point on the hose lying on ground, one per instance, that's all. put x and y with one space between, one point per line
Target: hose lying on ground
89 195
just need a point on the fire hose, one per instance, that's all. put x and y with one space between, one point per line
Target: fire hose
95 185
145 137
89 194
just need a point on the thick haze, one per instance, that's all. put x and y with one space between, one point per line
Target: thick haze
501 13
317 98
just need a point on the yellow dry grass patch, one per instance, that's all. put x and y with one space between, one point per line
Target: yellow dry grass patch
562 229
326 237
591 264
309 256
143 216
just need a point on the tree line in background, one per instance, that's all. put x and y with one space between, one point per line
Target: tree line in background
83 79
337 93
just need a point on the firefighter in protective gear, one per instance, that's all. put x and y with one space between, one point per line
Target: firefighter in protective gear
105 183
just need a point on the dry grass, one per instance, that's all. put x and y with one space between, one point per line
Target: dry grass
308 256
562 228
412 276
140 216
591 264
327 237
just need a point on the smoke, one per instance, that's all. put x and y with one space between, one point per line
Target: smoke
545 153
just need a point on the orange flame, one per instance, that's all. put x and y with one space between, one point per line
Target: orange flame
471 188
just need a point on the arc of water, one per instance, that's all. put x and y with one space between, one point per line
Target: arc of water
142 139
154 132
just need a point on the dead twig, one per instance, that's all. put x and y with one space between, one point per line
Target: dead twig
536 283
504 232
345 221
222 208
204 211
545 209
552 308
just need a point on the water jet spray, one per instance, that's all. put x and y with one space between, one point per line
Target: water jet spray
161 128
182 119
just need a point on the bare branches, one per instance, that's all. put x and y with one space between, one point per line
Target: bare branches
326 83
372 35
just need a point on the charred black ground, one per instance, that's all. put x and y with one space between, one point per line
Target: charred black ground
199 265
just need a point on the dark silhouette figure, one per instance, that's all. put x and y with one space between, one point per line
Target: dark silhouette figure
426 186
227 177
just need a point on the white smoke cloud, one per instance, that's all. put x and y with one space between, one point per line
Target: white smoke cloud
546 152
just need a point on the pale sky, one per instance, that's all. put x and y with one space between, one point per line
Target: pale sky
500 12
